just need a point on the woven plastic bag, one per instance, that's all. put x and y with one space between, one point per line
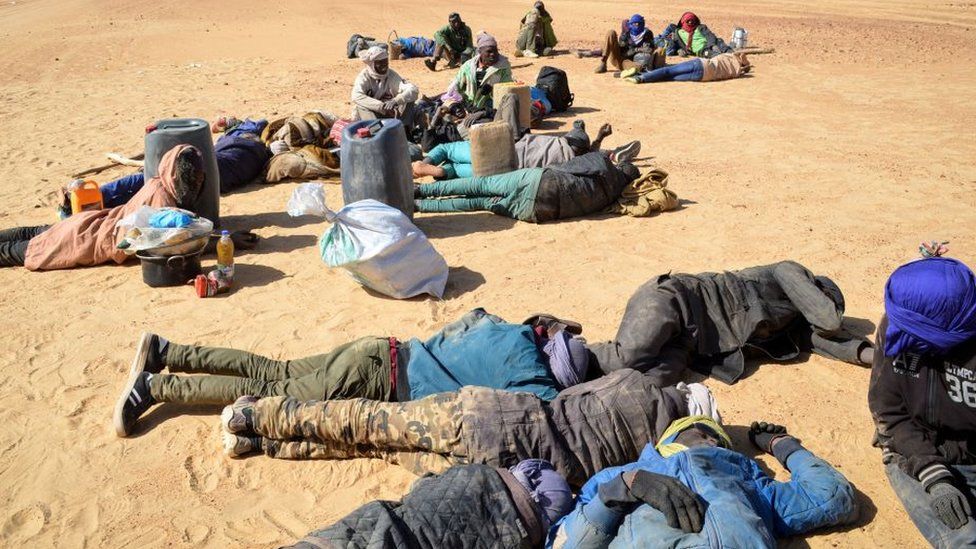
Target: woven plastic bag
382 249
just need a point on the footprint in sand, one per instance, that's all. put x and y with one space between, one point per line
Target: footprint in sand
202 480
26 523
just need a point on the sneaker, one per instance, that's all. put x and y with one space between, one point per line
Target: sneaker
547 51
627 153
148 358
238 446
530 53
134 402
601 68
627 73
431 64
631 80
239 416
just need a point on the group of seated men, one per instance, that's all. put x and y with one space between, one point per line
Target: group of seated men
513 418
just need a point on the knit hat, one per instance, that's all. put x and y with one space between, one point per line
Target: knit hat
931 306
547 488
486 40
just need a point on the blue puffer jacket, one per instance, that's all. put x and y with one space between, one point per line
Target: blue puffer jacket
745 507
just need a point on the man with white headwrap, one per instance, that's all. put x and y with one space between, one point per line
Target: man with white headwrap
380 92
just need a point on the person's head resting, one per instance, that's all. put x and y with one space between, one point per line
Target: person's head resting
931 307
189 175
692 432
569 359
487 49
547 488
455 21
377 60
831 290
689 21
636 24
630 171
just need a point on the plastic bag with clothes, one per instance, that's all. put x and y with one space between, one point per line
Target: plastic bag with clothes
148 228
382 249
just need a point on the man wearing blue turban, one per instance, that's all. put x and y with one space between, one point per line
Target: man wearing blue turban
923 396
634 39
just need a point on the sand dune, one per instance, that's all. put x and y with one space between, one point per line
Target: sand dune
845 148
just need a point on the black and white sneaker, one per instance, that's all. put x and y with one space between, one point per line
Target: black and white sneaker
148 357
133 402
238 446
626 153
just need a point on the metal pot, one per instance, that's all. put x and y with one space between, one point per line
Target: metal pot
160 271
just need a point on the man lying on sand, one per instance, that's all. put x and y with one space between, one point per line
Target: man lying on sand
585 429
923 396
466 507
709 320
731 498
479 349
453 160
585 185
721 67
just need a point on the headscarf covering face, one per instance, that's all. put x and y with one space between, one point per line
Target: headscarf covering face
931 307
700 400
547 488
486 40
667 447
636 27
568 359
370 56
689 22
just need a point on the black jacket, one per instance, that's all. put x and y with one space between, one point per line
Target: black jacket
468 506
585 185
709 319
924 408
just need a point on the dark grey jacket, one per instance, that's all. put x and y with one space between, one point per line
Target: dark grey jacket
468 507
707 321
588 427
585 185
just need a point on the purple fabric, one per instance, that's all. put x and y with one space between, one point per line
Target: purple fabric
547 488
636 25
931 307
568 359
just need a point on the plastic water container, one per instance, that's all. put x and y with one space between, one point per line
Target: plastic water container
492 149
740 38
376 164
168 133
86 196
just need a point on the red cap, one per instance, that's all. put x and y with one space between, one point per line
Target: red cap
363 132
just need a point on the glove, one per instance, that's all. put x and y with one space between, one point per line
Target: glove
762 435
949 504
681 506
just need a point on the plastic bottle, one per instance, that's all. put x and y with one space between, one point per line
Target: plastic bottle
85 196
225 255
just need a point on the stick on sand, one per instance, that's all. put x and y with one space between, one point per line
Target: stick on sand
116 159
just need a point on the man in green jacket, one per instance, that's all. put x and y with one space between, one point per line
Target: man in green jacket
478 76
535 36
454 43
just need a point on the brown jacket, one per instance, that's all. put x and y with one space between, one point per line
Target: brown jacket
588 427
89 238
725 66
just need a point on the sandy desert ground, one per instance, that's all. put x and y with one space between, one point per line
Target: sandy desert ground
849 145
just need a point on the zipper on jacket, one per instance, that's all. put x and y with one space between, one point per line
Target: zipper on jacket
930 399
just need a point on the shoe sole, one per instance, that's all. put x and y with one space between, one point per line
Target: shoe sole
137 367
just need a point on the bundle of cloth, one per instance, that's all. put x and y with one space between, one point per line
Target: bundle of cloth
299 145
415 46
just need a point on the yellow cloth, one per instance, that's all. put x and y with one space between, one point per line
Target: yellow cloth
646 196
668 449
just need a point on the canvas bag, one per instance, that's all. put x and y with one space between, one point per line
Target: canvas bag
382 249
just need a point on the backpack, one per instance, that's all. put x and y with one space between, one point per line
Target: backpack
556 85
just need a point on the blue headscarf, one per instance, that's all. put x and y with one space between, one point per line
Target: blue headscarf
636 25
931 307
547 488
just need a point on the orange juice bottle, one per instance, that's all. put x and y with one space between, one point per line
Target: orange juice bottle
225 255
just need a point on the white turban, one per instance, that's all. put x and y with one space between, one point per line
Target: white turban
371 56
701 402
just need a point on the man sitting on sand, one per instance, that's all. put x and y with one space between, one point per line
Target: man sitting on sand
585 429
90 238
634 38
585 185
466 507
453 160
477 77
479 349
709 322
721 67
690 37
923 396
454 43
379 92
692 488
535 36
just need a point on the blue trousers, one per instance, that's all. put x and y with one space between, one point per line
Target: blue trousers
689 71
455 158
918 504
